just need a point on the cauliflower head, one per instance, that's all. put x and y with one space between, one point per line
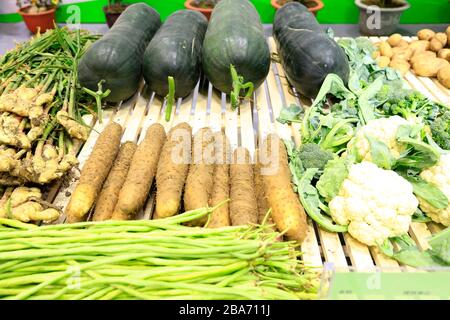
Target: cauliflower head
439 175
375 203
384 130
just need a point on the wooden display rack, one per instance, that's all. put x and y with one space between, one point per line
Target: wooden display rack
246 127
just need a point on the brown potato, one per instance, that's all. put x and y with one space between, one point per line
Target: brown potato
402 54
419 45
443 76
376 54
386 50
444 54
435 45
403 44
394 40
442 37
400 65
383 61
422 55
425 34
429 67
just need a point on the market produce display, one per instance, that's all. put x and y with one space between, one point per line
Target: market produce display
150 259
386 148
306 52
429 56
175 52
117 57
235 54
368 160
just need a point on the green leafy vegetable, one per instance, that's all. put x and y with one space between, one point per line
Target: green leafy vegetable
309 198
427 191
312 156
290 114
419 154
420 217
336 171
380 153
409 254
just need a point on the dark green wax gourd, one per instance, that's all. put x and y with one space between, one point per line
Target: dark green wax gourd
235 37
306 52
175 51
117 57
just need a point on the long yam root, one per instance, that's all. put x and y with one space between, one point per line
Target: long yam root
94 172
287 212
221 183
263 207
199 182
140 176
172 170
243 206
107 199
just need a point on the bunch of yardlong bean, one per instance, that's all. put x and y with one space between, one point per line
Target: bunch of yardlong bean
149 259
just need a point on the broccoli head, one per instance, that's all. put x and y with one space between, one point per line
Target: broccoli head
440 129
312 156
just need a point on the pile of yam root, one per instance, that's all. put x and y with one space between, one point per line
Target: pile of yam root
190 172
429 56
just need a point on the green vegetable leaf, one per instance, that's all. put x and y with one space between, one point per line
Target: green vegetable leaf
333 85
336 171
290 114
311 203
419 155
427 191
409 254
366 107
420 217
440 243
381 155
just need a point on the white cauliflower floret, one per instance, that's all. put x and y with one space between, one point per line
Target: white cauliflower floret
384 130
375 203
439 175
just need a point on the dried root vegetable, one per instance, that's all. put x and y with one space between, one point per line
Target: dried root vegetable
287 212
243 206
199 181
94 172
221 183
263 207
172 170
107 199
25 204
140 176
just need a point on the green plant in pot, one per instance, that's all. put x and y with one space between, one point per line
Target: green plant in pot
39 15
313 5
380 17
203 6
113 10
